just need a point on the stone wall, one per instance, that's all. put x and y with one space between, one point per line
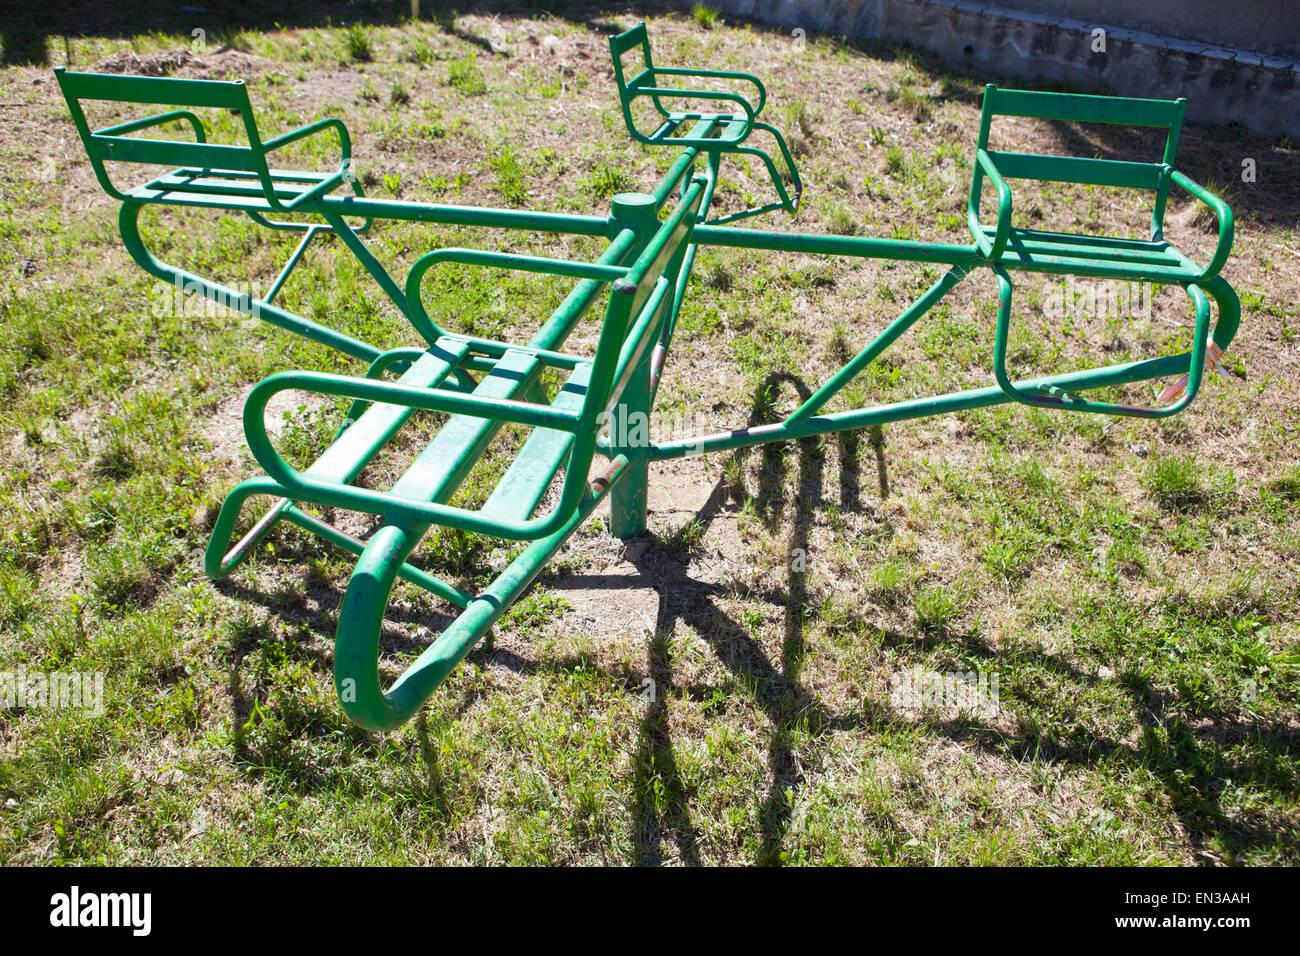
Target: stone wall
1193 55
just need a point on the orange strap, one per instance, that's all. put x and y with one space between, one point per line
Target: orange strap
1212 364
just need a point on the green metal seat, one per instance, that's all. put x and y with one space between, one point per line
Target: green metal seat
225 178
1031 250
1154 259
712 133
563 438
203 171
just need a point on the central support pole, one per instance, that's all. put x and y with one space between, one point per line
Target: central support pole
630 420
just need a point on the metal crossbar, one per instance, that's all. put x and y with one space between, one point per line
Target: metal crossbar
480 385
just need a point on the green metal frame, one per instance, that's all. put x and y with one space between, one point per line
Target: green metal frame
714 133
653 238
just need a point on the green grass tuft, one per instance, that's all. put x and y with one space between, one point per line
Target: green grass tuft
1176 482
464 75
705 16
357 43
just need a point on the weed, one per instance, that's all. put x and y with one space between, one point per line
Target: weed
356 41
840 220
508 174
464 75
606 179
705 16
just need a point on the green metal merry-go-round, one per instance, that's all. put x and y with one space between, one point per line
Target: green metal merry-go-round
481 385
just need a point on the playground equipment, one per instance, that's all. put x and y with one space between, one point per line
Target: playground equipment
483 384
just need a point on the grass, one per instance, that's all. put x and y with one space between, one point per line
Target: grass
719 692
357 43
508 174
840 220
606 179
464 75
705 16
1175 482
895 161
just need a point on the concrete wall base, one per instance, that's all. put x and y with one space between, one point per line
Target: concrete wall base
1222 84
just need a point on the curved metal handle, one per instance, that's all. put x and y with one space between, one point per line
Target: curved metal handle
356 649
720 75
658 91
326 185
303 486
425 325
994 250
1222 212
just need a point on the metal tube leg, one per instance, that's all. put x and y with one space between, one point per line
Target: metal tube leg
218 560
361 619
630 433
128 226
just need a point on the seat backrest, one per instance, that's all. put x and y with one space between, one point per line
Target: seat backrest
113 144
1074 107
621 44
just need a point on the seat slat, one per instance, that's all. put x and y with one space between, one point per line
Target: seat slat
665 129
184 198
1113 268
1074 169
130 149
517 495
439 470
733 130
225 187
238 178
1114 242
343 460
1085 108
1067 245
163 91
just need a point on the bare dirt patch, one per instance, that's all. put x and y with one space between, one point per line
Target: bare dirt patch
185 63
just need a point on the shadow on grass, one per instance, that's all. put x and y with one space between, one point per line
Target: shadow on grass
662 804
1188 758
1193 760
28 31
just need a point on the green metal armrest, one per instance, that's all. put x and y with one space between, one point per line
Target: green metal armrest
325 186
1221 211
158 120
720 75
301 486
423 322
991 251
